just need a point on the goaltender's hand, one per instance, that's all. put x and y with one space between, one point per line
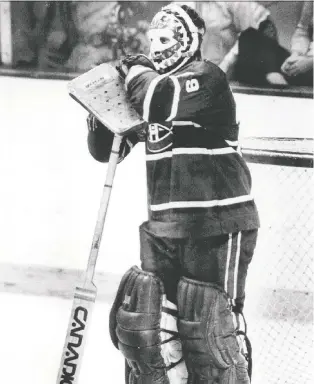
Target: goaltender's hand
130 60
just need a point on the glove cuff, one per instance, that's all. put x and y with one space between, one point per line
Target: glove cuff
131 60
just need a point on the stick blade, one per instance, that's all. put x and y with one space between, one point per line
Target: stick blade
83 303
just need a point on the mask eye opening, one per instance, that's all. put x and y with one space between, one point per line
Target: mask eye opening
164 40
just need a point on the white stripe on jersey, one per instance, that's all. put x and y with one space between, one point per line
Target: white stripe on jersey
185 123
159 156
186 74
203 151
149 95
235 144
176 98
190 151
201 204
232 143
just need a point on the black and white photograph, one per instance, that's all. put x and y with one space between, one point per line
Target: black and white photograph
156 199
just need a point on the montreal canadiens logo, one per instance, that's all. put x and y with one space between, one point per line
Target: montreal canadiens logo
159 138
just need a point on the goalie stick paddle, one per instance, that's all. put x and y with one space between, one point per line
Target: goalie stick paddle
85 294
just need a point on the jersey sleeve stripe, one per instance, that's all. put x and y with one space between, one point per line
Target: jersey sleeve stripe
176 98
149 95
136 70
186 74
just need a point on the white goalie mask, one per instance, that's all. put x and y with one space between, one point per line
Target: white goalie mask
174 38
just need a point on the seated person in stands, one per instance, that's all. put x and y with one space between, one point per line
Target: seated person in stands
42 34
261 60
234 24
298 67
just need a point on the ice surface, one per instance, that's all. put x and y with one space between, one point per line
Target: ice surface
32 333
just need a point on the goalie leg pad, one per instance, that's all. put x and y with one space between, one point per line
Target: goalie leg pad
143 326
210 347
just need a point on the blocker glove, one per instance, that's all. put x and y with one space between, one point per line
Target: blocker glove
100 140
131 60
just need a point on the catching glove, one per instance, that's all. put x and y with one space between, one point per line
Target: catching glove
131 60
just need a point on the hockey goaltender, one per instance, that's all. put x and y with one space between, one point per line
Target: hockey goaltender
178 318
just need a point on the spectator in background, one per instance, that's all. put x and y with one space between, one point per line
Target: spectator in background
106 31
91 20
42 34
76 35
24 19
262 57
298 67
226 22
60 37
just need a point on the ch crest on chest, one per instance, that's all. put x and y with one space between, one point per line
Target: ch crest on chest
159 137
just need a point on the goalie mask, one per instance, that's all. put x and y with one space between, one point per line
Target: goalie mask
174 38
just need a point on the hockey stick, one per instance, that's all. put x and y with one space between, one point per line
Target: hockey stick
85 294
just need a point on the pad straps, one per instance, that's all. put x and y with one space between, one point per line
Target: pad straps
247 352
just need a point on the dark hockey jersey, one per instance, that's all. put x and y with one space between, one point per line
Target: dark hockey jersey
196 175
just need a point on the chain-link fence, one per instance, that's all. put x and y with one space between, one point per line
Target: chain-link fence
279 305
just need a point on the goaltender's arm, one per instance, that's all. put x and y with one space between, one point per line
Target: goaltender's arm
188 96
100 140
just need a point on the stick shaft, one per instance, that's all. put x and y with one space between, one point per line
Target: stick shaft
112 164
85 295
